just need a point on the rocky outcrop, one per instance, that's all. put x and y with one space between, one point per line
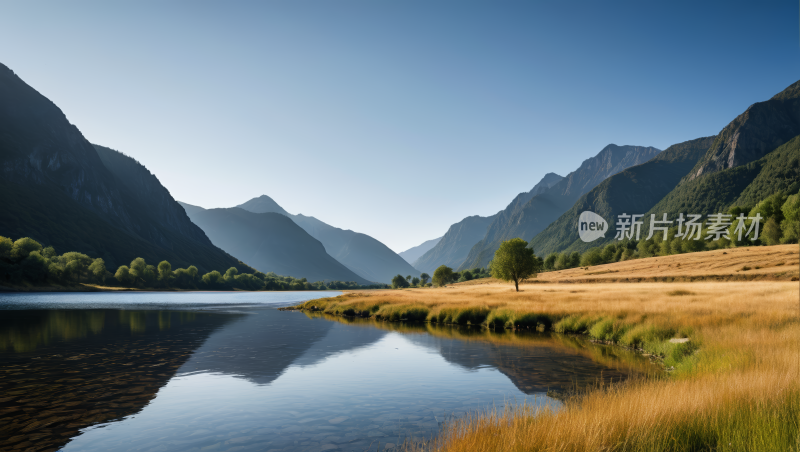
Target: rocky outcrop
761 128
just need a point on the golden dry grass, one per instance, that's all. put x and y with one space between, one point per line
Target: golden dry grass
779 262
737 388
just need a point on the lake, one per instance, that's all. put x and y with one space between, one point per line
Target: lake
218 371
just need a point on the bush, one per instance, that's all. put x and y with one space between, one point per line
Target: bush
500 318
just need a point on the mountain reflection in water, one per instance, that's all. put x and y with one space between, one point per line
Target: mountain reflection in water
262 379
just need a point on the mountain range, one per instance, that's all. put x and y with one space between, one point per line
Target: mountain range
455 245
412 254
364 255
270 242
64 192
755 155
527 219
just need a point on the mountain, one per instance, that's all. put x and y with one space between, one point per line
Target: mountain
455 244
270 242
263 204
58 190
460 237
634 190
542 209
365 256
412 254
754 156
761 128
743 185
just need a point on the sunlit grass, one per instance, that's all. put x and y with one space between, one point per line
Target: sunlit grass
734 386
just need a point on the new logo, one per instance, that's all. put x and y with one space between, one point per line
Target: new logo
591 226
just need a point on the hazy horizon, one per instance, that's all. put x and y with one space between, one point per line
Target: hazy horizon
394 120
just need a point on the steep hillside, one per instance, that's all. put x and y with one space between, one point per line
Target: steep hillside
761 128
455 244
546 207
367 257
414 253
270 242
58 191
460 237
634 190
745 185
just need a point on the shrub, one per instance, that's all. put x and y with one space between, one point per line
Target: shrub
499 318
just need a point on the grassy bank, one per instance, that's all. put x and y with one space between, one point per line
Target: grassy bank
735 384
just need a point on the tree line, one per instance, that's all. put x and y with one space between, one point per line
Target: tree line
514 261
27 261
780 224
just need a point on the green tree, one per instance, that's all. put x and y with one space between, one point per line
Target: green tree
592 257
49 252
164 272
124 276
137 269
192 272
771 235
415 281
77 264
514 261
213 279
398 282
34 267
150 275
23 247
98 270
5 248
550 261
791 219
424 278
230 274
442 275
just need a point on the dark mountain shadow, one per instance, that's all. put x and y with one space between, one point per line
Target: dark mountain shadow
63 371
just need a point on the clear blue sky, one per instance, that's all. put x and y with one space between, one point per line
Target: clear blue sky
393 118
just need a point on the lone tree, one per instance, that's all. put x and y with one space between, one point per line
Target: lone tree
423 278
442 275
514 261
398 282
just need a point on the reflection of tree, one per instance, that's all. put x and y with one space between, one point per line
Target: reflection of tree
24 331
89 366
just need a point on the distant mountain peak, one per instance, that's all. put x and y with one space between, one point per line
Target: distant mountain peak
547 181
263 204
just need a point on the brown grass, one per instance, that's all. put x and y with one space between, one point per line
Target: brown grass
736 388
779 262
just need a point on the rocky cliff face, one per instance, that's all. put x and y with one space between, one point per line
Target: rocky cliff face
761 128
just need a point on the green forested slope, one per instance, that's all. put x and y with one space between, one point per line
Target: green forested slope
634 190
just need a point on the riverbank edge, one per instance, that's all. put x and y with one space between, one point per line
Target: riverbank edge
691 347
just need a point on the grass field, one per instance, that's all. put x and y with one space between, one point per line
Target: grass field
733 386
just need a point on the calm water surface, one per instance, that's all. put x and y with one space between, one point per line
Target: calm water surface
227 371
